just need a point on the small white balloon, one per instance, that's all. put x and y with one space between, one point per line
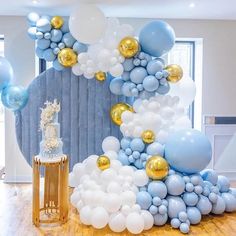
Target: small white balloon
128 198
117 222
85 215
148 219
135 223
110 143
99 218
140 178
112 202
114 187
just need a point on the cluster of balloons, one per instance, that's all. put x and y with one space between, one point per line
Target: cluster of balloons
13 97
55 43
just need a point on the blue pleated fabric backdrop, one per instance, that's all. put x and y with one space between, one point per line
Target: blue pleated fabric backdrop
84 116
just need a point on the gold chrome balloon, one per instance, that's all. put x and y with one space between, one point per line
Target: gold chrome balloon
117 110
67 57
57 22
100 76
103 162
175 73
157 167
128 47
148 136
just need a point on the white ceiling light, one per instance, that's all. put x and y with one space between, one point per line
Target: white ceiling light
192 5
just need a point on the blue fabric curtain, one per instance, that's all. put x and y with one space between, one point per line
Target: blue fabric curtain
84 116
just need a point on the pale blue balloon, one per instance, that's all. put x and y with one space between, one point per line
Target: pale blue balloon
150 83
57 65
219 206
125 76
160 219
61 45
230 202
146 95
155 149
123 158
154 66
126 89
134 92
198 189
65 26
139 164
183 216
43 43
80 47
14 97
43 25
195 179
128 64
6 73
210 175
69 40
157 38
116 86
213 197
223 183
162 209
39 52
194 215
144 200
233 191
157 189
184 228
32 33
48 55
175 206
47 35
53 45
188 151
125 143
137 144
56 35
153 210
175 185
136 154
163 88
56 50
204 205
175 223
140 87
138 74
190 199
39 35
32 18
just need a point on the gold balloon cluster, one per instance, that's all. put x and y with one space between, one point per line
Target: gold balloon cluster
175 73
67 57
117 110
100 76
103 162
157 167
148 136
128 47
57 22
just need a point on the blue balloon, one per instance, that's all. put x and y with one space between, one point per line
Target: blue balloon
134 92
56 35
56 50
219 206
126 89
80 47
125 76
139 164
154 66
157 189
188 151
194 215
223 183
47 35
184 228
57 65
48 55
146 95
123 158
210 175
144 200
14 97
233 191
137 145
39 35
175 185
125 143
6 73
69 40
213 197
53 45
175 206
39 52
162 209
32 33
65 27
43 25
230 202
150 83
128 64
160 219
183 216
204 205
138 74
116 86
155 149
61 45
190 199
163 88
175 223
32 18
157 38
43 43
153 210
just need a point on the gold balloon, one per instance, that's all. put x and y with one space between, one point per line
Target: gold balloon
57 22
175 73
67 57
100 76
117 110
103 162
128 47
148 136
157 167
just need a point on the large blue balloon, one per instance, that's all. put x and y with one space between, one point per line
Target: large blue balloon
157 38
6 73
116 86
14 97
188 151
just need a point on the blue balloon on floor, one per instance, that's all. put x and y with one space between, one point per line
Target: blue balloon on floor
6 73
230 202
157 38
188 151
14 97
194 215
176 205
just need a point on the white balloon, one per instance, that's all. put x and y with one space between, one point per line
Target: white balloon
136 208
126 171
91 163
72 181
112 202
117 222
79 205
126 210
87 24
99 218
99 197
76 69
110 143
108 175
183 123
85 215
135 223
116 70
83 57
127 116
115 165
162 136
148 219
128 198
140 178
111 154
114 187
74 198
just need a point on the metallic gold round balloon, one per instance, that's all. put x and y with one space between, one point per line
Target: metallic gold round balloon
157 167
103 162
128 47
100 76
57 22
175 73
148 136
117 110
67 57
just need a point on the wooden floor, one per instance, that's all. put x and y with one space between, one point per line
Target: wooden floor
15 220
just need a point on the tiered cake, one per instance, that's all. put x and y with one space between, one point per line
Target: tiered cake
51 144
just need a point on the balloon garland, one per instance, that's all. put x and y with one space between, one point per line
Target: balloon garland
156 171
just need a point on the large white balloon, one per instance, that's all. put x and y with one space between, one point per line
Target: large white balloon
117 222
87 24
148 219
112 202
99 218
140 178
110 143
135 223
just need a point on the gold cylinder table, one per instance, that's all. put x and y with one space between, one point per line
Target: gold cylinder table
54 205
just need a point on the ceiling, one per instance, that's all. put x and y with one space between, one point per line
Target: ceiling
177 9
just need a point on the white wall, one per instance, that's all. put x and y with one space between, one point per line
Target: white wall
219 63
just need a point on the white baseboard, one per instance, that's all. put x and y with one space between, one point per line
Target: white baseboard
18 179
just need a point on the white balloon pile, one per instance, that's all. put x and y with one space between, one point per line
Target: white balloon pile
109 196
104 55
161 114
